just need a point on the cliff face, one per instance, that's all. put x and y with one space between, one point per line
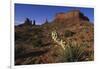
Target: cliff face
75 15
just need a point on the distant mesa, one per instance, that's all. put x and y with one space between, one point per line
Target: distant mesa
74 14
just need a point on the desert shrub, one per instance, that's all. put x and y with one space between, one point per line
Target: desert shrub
72 51
37 42
36 38
75 52
68 33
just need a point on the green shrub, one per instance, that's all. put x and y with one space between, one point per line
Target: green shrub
68 33
37 42
74 52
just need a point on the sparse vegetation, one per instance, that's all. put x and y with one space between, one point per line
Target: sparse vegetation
69 33
73 51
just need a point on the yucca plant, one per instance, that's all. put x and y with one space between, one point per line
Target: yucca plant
59 41
72 50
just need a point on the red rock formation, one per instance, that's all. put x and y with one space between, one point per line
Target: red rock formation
75 15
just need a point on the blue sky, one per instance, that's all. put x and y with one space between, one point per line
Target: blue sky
42 12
